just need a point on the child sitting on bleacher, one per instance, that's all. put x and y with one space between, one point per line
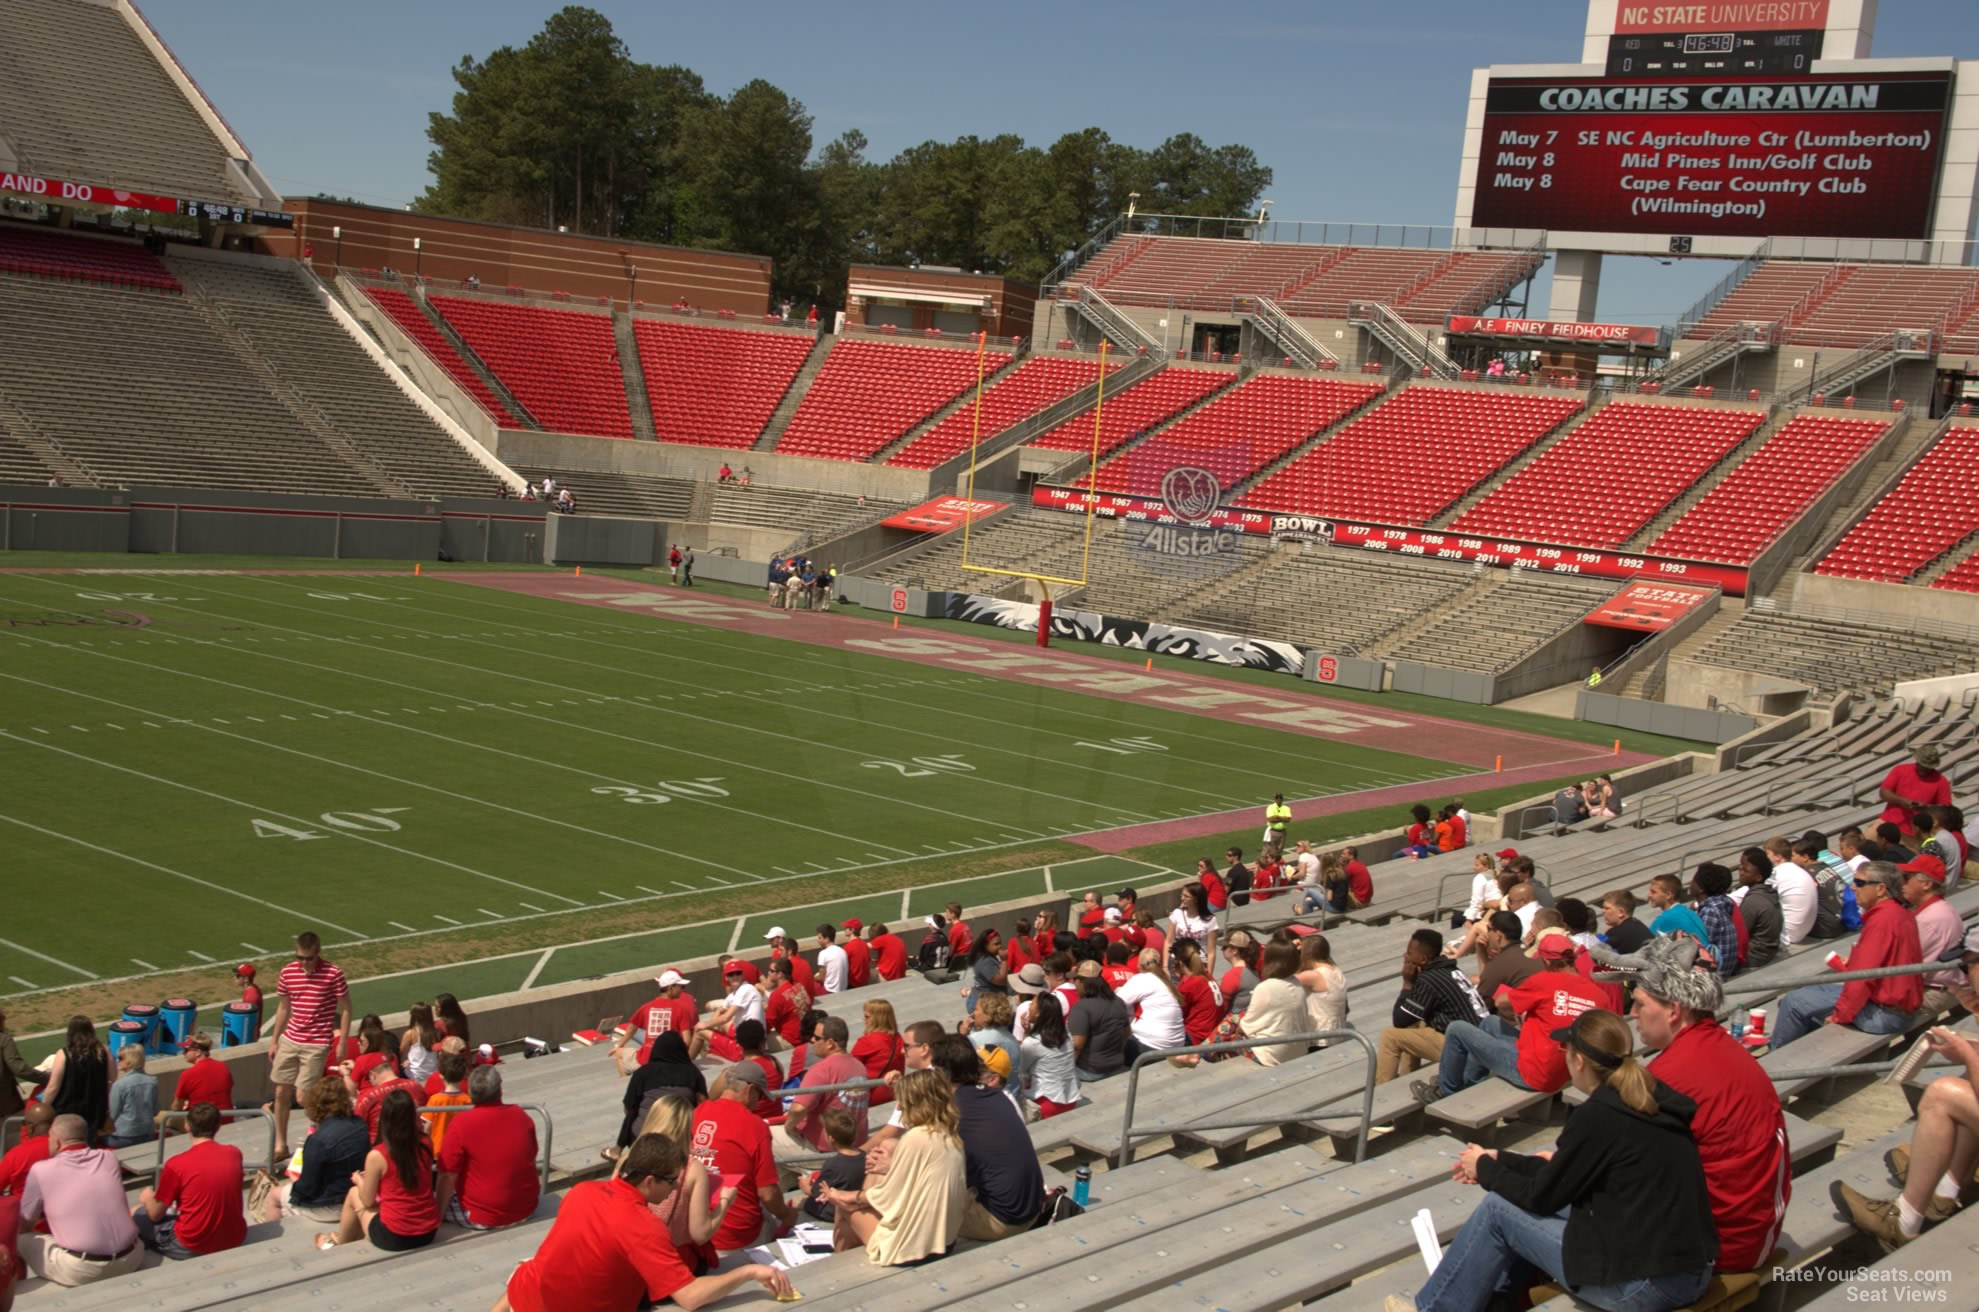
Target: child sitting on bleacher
844 1169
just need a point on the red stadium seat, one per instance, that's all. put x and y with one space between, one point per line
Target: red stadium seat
1933 509
1034 385
561 364
869 393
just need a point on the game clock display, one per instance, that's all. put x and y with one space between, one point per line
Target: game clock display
1743 54
1808 157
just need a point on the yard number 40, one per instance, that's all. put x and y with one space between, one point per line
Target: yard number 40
378 820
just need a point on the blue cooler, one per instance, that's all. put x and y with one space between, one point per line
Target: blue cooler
239 1025
122 1032
177 1019
145 1015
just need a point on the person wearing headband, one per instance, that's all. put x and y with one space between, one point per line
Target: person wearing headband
1618 1213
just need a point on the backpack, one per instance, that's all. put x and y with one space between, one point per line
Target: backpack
1058 1206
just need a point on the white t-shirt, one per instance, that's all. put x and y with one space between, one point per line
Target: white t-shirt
1050 1073
1484 889
1159 1024
1187 926
1527 914
747 1000
1309 869
835 966
1799 901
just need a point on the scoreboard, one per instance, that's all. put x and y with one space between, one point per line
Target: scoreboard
1813 156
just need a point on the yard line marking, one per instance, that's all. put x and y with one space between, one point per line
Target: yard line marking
492 915
784 870
613 896
677 884
537 969
41 731
53 961
201 955
257 951
149 865
656 892
118 727
78 728
27 984
280 815
287 716
532 906
876 856
449 919
142 962
399 924
735 935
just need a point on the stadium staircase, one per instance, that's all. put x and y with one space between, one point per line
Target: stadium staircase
1648 682
630 366
1733 340
474 362
33 456
1512 468
241 345
1777 418
1269 319
993 374
1093 306
800 387
1410 344
1952 558
1881 354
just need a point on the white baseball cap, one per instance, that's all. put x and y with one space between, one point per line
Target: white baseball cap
776 932
668 978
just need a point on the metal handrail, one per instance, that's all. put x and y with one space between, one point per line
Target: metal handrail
1126 1153
1525 811
1676 801
549 1128
1735 989
226 1113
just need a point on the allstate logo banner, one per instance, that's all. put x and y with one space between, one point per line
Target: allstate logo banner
1192 541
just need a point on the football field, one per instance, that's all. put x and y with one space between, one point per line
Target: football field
202 764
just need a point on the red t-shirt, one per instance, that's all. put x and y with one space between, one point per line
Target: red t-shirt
1115 976
207 1080
664 1015
809 1108
370 1101
313 1001
783 1014
889 956
1546 1002
251 995
1904 781
14 1166
361 1066
1360 882
880 1053
802 974
1091 919
205 1181
1219 896
1152 937
1264 878
960 940
858 962
408 1207
1020 953
1741 1137
1202 1007
11 1266
605 1250
734 1143
770 1108
491 1152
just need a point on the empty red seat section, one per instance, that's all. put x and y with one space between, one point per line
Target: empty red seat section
715 386
46 253
1029 388
399 307
1934 507
1769 489
1154 400
869 393
560 364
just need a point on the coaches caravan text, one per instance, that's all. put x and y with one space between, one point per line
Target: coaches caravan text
1791 97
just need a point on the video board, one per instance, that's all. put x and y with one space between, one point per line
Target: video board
1831 156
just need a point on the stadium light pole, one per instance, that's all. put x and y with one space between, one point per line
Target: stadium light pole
417 245
1132 197
337 231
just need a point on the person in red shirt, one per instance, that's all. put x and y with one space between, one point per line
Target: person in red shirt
196 1207
33 1148
1267 875
1152 935
858 956
732 1141
752 1038
1525 1056
1091 915
889 952
1213 887
673 1010
801 972
606 1252
488 1160
1020 950
1202 1002
372 1099
205 1080
1914 784
751 973
1888 938
251 995
803 1126
392 1201
1740 1131
960 940
1360 880
1119 967
12 1268
784 1002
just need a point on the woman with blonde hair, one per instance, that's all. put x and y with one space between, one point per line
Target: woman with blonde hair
881 1048
333 1152
914 1210
1617 1214
1496 898
1157 1004
691 1213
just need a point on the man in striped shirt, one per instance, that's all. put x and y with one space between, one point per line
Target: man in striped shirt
312 1016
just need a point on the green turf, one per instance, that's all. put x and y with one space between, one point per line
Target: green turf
388 757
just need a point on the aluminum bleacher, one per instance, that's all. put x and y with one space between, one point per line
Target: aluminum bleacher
561 364
1933 509
1767 491
713 386
1622 466
870 393
1832 655
1848 305
50 253
644 496
1412 455
1238 433
1500 626
400 308
1147 404
1771 293
1020 393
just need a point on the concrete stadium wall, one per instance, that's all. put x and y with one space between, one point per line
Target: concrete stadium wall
1660 717
1920 694
1439 681
1634 785
447 395
615 455
1690 683
63 519
603 540
1891 603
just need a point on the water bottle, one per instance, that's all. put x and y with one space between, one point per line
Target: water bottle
1082 1185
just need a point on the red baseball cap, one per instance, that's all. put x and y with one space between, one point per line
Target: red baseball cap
852 923
1506 854
246 969
1554 945
1925 865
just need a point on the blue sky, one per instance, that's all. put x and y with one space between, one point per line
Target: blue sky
1359 108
